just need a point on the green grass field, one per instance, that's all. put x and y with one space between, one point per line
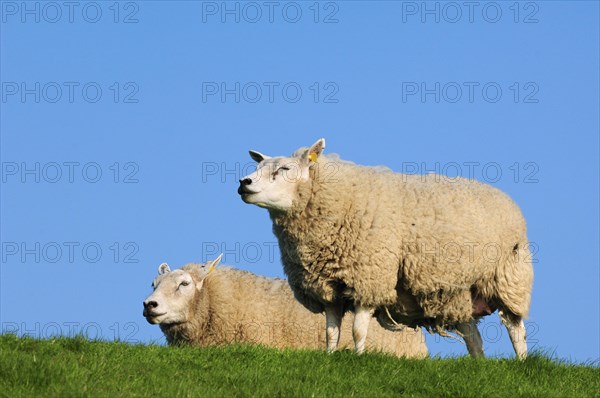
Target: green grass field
78 367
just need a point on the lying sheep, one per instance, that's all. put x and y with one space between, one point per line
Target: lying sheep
416 250
202 306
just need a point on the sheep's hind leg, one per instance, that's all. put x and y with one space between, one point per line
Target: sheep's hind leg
360 327
470 333
516 332
333 323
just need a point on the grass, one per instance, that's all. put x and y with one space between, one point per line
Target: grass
74 367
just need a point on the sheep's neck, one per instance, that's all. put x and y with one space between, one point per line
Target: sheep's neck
305 222
200 311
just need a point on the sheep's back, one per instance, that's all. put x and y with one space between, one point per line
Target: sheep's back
264 311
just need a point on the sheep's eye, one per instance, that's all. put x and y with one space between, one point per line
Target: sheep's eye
184 283
276 172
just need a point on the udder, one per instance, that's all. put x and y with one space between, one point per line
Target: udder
481 307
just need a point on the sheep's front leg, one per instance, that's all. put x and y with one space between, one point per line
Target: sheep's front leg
333 322
360 328
472 337
516 332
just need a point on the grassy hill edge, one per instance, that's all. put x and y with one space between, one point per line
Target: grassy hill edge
79 367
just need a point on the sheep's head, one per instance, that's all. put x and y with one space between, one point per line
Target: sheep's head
274 183
174 291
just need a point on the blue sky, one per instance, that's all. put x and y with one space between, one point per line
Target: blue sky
124 131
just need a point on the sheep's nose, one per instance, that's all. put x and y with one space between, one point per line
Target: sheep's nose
150 305
246 181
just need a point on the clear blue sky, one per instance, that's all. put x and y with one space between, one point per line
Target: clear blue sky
504 94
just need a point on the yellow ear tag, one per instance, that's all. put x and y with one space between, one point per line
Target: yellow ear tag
313 157
211 269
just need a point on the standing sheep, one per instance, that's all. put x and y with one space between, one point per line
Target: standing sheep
203 306
418 250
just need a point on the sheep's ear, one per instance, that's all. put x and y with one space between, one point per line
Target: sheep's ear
313 153
163 269
257 156
213 264
206 269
